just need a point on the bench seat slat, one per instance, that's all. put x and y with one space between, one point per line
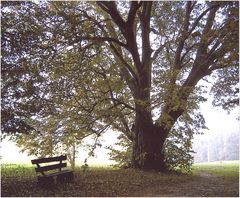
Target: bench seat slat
49 159
57 173
50 167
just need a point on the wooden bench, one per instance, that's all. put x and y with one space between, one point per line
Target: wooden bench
46 179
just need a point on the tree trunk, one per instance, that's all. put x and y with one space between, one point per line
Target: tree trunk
148 143
148 151
73 156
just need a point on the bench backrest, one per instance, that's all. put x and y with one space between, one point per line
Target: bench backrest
59 166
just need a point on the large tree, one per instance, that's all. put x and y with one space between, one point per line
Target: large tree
132 66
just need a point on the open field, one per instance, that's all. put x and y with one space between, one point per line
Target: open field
221 169
207 180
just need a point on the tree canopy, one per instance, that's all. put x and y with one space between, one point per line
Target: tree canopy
81 68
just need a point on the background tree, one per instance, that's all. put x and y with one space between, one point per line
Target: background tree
53 137
128 66
221 147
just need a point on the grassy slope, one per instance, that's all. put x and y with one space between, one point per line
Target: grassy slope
19 180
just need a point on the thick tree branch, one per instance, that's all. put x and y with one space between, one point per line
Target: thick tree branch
187 51
111 9
186 32
127 29
216 5
128 68
145 22
183 37
158 51
200 67
133 10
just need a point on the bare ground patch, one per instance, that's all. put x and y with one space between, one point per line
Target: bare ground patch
205 184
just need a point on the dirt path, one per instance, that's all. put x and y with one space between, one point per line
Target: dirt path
205 184
207 175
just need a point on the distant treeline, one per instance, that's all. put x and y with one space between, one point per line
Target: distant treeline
217 147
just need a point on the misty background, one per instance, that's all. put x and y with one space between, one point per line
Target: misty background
216 147
221 141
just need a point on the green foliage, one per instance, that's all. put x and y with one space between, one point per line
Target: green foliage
55 137
121 152
178 147
178 152
76 69
226 88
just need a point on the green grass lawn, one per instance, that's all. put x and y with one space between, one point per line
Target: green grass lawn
21 180
227 170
